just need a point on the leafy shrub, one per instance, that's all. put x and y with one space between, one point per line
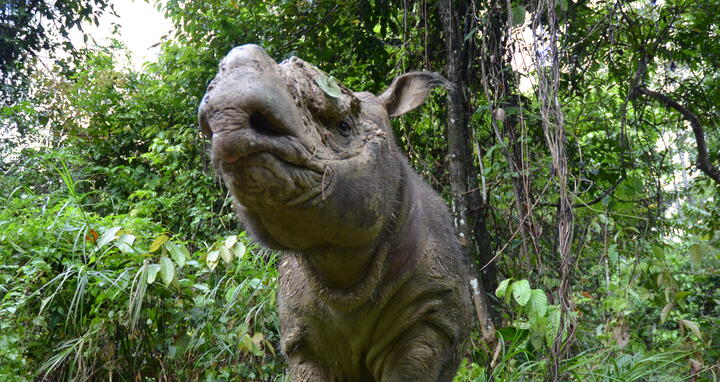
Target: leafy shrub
84 296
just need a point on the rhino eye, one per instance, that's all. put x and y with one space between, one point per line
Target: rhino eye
344 127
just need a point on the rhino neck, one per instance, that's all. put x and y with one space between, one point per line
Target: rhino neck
339 268
349 278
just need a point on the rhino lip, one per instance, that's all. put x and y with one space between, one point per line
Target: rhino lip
283 155
314 192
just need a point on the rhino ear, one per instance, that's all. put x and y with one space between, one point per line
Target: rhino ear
202 120
409 91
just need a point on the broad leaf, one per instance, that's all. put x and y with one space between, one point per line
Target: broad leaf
230 241
212 259
329 85
160 240
167 270
537 305
109 235
697 253
693 327
152 271
225 254
176 253
665 312
124 243
521 291
518 15
502 287
239 250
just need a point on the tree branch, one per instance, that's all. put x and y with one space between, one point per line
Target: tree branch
594 201
703 159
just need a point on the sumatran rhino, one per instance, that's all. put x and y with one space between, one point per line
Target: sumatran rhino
372 278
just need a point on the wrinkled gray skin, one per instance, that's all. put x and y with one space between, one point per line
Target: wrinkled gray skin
372 279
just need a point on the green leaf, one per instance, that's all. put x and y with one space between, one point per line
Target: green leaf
152 272
697 253
518 15
502 287
184 251
230 294
230 241
659 252
612 253
212 259
521 291
239 250
225 254
176 253
329 85
109 235
167 270
160 240
537 305
124 243
470 34
553 324
17 247
665 280
680 296
563 6
536 339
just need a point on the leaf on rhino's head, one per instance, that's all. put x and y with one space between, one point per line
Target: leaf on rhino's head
329 85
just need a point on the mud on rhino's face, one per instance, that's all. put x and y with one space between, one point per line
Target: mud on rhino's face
303 165
309 163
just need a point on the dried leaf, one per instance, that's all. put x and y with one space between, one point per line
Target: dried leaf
160 240
665 312
621 334
693 327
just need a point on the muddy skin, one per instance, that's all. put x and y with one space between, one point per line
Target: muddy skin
373 283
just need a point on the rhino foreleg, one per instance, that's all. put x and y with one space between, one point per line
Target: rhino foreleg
304 370
424 353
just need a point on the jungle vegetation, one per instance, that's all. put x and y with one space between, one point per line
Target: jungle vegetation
578 148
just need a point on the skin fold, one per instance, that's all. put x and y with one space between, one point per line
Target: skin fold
373 283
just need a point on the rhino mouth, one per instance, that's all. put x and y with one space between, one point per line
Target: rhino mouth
267 179
262 163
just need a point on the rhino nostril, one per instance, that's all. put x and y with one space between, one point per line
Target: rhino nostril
263 125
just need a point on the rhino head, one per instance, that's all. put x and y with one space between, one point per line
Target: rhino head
311 164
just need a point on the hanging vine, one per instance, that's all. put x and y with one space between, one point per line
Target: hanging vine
547 67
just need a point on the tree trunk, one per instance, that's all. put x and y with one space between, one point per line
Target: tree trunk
501 94
456 22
